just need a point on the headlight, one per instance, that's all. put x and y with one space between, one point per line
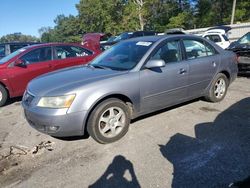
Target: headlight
56 102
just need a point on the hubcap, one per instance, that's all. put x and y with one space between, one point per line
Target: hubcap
220 88
1 96
111 122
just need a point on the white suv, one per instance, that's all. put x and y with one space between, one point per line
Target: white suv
218 36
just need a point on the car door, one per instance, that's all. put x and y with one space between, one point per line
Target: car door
36 61
67 56
164 86
203 60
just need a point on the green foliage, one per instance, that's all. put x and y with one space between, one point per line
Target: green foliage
18 37
116 16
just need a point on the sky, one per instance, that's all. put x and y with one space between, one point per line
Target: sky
27 16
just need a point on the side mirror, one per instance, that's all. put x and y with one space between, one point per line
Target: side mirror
156 63
20 63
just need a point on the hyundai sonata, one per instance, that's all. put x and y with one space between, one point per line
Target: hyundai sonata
134 77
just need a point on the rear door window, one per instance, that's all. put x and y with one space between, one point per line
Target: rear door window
63 52
197 49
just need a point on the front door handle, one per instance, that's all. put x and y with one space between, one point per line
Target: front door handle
182 71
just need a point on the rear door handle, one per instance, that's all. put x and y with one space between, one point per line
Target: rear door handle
182 71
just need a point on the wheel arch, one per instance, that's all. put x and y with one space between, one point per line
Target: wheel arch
6 87
227 74
121 97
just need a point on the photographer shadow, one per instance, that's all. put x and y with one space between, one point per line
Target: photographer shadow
114 176
218 155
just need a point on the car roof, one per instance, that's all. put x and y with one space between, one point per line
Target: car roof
52 44
155 38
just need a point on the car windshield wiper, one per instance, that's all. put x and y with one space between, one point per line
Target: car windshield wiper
98 66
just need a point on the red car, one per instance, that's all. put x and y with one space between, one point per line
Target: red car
21 66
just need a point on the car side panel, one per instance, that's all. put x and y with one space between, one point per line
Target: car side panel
202 70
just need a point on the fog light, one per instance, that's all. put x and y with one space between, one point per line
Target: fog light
53 128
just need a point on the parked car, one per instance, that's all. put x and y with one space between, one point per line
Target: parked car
8 48
242 48
126 35
218 36
135 77
21 66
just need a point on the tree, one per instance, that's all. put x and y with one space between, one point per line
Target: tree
116 16
18 37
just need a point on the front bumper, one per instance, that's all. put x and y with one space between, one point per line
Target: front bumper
55 122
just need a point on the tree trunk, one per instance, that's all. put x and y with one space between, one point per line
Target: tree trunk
139 4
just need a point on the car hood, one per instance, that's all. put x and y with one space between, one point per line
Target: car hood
67 80
240 49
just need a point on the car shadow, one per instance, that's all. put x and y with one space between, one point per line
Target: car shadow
73 138
114 176
11 101
218 155
245 75
164 110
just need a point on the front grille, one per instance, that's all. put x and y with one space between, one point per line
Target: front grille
28 98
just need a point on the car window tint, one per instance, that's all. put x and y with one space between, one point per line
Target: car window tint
123 56
15 47
194 49
225 37
138 34
2 50
169 52
210 49
214 38
63 52
37 55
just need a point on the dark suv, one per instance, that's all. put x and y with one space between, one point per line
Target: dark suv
127 35
242 48
8 48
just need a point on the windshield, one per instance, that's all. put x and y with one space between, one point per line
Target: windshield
8 57
245 39
123 56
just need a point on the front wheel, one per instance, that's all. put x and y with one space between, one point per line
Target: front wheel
3 95
218 88
109 121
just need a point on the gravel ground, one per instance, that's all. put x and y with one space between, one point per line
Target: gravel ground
196 144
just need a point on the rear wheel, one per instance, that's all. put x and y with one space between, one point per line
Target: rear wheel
218 88
3 95
109 121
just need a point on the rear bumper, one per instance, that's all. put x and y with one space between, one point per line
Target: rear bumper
244 64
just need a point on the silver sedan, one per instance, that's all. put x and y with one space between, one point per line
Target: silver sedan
133 78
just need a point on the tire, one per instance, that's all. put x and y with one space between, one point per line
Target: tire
109 121
218 88
3 95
